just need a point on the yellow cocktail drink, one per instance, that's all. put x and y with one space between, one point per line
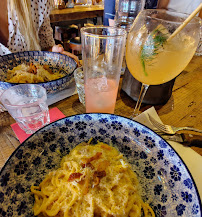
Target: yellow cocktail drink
156 66
159 46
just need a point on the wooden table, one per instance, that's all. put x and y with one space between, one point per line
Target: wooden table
183 109
76 13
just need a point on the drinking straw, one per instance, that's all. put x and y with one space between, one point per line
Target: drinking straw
189 18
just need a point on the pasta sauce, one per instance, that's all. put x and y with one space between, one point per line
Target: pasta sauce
93 180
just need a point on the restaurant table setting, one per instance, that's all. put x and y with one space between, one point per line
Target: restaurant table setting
184 151
169 171
170 177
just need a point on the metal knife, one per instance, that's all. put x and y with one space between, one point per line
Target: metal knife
185 139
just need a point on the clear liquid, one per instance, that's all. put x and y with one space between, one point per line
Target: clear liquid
32 117
33 123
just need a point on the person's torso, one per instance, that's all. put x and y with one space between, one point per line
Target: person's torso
15 40
183 6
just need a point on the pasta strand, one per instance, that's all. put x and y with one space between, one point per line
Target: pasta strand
93 180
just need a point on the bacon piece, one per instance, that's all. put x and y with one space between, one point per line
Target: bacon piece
32 69
95 157
82 181
46 67
103 165
74 176
88 165
99 174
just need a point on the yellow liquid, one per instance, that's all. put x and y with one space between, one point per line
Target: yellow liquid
170 61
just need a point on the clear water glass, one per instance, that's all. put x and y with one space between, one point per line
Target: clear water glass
79 79
26 103
126 12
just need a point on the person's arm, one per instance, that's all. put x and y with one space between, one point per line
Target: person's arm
163 4
111 22
109 12
59 49
47 41
46 35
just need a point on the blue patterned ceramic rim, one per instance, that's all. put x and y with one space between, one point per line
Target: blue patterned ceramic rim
54 60
166 184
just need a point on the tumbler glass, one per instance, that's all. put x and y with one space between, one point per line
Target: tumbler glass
26 103
102 55
79 79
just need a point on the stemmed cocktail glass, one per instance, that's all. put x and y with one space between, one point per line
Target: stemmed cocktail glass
155 55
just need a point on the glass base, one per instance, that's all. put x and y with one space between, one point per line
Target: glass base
31 124
155 95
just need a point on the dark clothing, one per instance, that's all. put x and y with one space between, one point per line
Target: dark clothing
109 11
151 4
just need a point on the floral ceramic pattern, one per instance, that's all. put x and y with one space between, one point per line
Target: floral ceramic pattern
55 60
165 182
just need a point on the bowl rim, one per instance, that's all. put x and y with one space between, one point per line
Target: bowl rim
83 114
11 54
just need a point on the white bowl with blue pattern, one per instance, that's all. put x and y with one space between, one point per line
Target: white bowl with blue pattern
166 183
56 61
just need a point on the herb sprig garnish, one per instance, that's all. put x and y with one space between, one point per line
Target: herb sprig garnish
152 45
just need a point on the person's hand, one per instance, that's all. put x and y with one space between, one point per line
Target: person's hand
72 56
59 49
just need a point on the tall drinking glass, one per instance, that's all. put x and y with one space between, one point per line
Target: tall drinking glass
152 56
126 12
102 55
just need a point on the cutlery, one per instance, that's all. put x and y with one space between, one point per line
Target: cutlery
170 129
2 109
185 139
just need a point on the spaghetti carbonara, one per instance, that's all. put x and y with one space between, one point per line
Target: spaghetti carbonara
32 73
93 181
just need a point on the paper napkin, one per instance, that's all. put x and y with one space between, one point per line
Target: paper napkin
186 153
55 114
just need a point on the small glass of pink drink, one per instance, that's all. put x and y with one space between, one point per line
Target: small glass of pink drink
102 55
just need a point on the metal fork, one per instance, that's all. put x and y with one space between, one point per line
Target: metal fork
170 129
2 109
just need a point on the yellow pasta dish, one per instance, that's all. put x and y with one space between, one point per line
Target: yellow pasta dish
32 73
92 181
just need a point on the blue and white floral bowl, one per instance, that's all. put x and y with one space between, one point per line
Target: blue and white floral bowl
54 60
166 184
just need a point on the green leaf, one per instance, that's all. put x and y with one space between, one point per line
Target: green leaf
152 45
